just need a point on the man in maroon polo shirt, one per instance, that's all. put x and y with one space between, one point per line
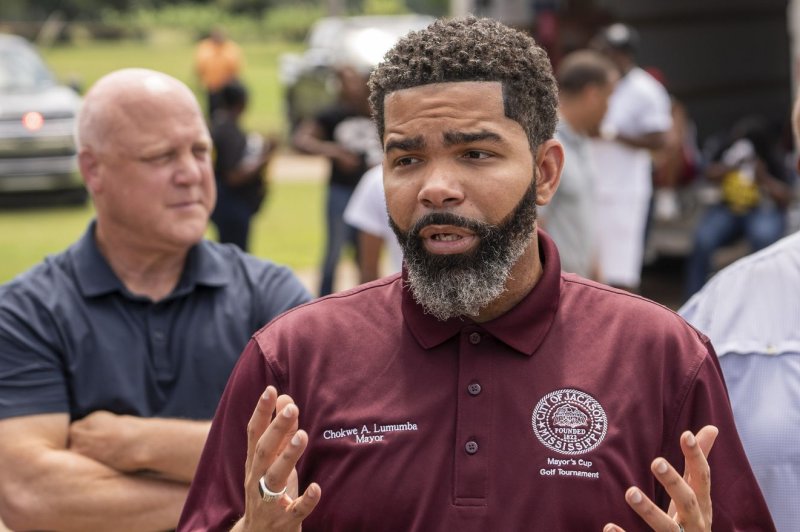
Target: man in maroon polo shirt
481 389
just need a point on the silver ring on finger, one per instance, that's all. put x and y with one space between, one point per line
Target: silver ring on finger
680 527
267 495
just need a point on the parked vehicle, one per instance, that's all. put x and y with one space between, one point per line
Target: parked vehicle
37 117
308 79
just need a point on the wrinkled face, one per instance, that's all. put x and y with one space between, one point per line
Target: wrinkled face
154 176
459 187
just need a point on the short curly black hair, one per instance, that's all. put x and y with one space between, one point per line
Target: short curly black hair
473 49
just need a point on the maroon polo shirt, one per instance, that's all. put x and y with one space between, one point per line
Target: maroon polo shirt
539 419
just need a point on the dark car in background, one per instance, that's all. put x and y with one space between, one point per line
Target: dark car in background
37 118
309 79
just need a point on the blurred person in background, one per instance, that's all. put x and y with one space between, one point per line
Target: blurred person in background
343 133
217 61
240 162
586 80
114 353
366 212
677 163
750 311
754 190
637 122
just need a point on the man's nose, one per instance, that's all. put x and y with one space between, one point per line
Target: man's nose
190 168
441 187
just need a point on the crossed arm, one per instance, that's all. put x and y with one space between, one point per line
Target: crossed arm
100 473
275 445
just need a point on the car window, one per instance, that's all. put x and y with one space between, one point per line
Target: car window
22 69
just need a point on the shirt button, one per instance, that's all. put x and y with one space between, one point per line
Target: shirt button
475 338
471 447
158 336
474 388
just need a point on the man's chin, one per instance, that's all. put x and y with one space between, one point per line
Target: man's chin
437 262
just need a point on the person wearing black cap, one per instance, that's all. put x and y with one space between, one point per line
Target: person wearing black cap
637 121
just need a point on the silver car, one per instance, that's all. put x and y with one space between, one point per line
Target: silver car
37 116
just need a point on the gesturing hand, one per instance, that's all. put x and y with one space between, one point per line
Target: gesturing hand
690 508
273 449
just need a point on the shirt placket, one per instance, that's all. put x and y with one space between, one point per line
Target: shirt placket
157 335
473 443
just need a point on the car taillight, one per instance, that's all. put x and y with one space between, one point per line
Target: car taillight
32 121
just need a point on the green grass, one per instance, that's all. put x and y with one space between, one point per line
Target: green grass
289 227
27 236
287 230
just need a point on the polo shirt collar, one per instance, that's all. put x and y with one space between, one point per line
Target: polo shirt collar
205 265
522 328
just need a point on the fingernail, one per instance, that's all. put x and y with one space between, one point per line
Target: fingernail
296 440
636 496
289 411
690 440
661 466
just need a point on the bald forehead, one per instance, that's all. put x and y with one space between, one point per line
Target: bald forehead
131 96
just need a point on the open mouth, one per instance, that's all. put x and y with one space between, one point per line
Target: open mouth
446 237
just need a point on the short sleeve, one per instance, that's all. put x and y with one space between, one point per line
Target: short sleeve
31 365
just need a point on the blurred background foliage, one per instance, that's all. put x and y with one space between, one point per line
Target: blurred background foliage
284 20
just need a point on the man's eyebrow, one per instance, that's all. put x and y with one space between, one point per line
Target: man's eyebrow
454 138
407 144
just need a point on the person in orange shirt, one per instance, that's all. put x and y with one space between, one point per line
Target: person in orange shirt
217 62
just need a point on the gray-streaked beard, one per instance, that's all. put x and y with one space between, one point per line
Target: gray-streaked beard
463 284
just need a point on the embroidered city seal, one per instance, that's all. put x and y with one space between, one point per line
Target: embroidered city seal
569 421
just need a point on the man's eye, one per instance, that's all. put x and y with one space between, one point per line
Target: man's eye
161 158
201 151
476 154
406 161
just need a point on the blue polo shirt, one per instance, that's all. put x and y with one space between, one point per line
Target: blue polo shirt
74 339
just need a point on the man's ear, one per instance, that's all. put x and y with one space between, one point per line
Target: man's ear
549 163
89 166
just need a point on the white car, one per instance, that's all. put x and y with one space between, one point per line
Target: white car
361 41
37 117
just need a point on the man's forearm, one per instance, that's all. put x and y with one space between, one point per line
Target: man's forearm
171 448
61 490
166 448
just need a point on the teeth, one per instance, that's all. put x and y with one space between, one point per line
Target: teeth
446 237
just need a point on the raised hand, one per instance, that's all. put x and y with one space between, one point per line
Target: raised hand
273 448
690 509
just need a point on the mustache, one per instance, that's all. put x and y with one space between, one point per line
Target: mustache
481 229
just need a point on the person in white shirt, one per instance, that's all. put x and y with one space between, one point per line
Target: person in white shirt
751 313
366 211
637 121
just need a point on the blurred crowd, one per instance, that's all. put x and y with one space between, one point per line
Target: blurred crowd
635 165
